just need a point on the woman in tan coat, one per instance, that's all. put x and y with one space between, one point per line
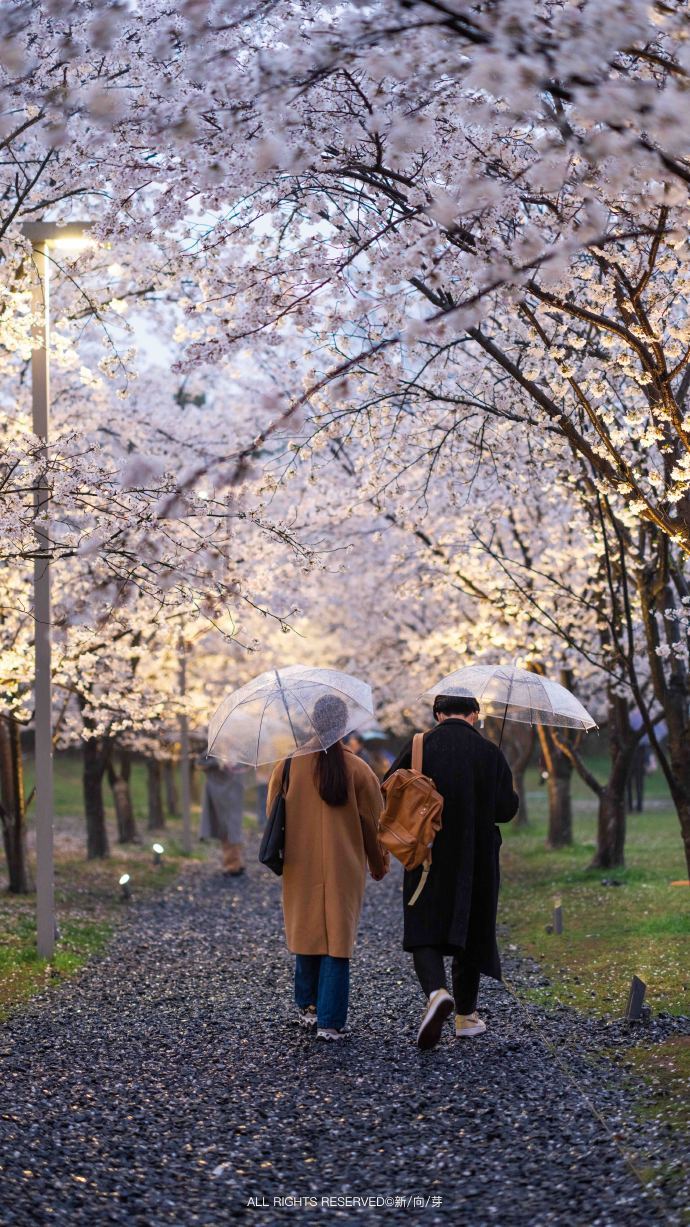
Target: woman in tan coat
333 802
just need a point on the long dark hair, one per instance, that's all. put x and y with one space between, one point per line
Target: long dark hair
330 770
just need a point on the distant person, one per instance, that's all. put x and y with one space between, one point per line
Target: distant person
263 775
637 775
355 744
222 811
333 802
380 760
456 911
643 760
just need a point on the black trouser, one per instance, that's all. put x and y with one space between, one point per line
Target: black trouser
431 973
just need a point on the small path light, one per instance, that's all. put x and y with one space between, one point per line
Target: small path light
125 887
158 851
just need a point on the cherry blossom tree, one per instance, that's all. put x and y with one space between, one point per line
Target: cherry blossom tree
439 252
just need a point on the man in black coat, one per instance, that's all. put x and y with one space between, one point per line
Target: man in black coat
456 911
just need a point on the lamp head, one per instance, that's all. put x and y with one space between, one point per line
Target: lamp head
73 244
73 236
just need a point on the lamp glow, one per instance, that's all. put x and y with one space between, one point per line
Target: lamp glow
125 888
73 243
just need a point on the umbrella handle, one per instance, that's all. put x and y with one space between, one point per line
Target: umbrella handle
503 724
505 712
287 709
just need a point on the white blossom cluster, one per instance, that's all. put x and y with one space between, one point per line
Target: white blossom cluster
420 277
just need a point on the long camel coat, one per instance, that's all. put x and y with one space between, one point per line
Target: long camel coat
326 853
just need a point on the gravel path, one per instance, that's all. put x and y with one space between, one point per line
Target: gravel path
168 1084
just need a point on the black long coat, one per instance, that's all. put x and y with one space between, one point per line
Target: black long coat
457 908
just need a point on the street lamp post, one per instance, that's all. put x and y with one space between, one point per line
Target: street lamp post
43 236
184 756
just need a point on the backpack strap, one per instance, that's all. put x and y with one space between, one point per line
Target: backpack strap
417 759
422 882
417 751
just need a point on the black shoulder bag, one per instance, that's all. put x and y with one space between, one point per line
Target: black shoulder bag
272 850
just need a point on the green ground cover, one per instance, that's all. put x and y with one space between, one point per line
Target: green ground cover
88 908
68 791
666 1070
639 926
87 895
611 932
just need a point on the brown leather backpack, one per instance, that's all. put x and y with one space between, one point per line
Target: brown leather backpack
412 816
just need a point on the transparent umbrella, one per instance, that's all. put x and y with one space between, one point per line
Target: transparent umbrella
295 710
511 693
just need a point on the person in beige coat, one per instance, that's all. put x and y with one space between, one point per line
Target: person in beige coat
333 803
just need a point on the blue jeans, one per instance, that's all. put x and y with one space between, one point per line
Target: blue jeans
323 981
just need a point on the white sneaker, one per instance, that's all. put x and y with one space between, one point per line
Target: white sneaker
468 1024
307 1017
438 1010
330 1034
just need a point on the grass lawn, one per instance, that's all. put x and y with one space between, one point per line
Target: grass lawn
68 787
666 1070
640 926
87 894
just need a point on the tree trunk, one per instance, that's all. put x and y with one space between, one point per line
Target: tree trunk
611 819
684 818
680 791
521 751
195 782
560 770
171 799
95 759
122 797
610 853
155 779
676 712
13 807
560 833
671 691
